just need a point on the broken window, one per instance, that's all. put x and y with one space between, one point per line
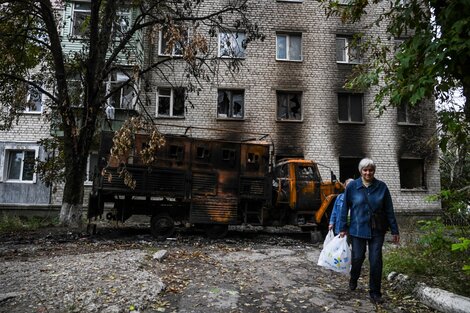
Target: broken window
230 103
34 100
202 154
347 50
176 152
289 47
122 22
412 174
122 92
170 102
350 107
289 105
172 40
81 18
228 154
348 168
232 45
307 172
408 115
252 158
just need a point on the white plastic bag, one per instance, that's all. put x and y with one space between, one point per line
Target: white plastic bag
336 255
328 237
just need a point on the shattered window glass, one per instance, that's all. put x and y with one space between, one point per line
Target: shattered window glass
289 105
230 103
232 45
81 18
172 41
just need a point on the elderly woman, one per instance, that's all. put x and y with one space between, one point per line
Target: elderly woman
370 207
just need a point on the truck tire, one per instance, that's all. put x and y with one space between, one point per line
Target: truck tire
315 236
162 226
216 231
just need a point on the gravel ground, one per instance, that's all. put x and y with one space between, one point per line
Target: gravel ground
55 270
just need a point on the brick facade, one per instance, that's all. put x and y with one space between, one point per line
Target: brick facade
318 135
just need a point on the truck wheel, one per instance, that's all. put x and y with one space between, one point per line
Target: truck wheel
216 231
315 236
162 226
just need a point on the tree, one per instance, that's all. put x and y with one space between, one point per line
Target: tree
431 62
33 57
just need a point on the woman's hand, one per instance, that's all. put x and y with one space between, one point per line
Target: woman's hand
342 234
330 227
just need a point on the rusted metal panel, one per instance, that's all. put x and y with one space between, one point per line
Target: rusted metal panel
158 182
204 184
253 187
220 209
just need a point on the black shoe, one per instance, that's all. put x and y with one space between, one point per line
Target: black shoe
376 299
352 284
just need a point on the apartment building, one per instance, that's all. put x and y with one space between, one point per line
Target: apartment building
289 86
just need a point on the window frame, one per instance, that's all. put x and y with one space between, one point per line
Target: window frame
172 98
122 13
422 169
350 121
347 51
233 36
176 46
404 110
89 163
74 31
289 93
6 164
28 99
109 88
230 106
288 36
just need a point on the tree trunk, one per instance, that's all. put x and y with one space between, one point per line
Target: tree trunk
72 202
71 215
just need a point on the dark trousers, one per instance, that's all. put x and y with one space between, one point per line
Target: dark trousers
359 246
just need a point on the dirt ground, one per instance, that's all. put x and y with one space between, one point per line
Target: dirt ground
123 269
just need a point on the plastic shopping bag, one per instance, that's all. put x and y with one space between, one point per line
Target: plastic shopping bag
328 237
336 255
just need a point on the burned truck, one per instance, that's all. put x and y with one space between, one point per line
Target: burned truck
211 184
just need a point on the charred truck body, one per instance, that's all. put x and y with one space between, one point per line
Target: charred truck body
212 184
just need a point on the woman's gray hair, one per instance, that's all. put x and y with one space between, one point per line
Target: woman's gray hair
366 163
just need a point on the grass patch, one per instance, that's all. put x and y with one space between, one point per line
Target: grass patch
429 258
9 223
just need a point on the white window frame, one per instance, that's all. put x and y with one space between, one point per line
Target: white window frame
88 179
350 121
120 78
288 39
235 38
177 50
5 162
347 51
28 99
172 103
73 20
230 106
120 29
289 118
